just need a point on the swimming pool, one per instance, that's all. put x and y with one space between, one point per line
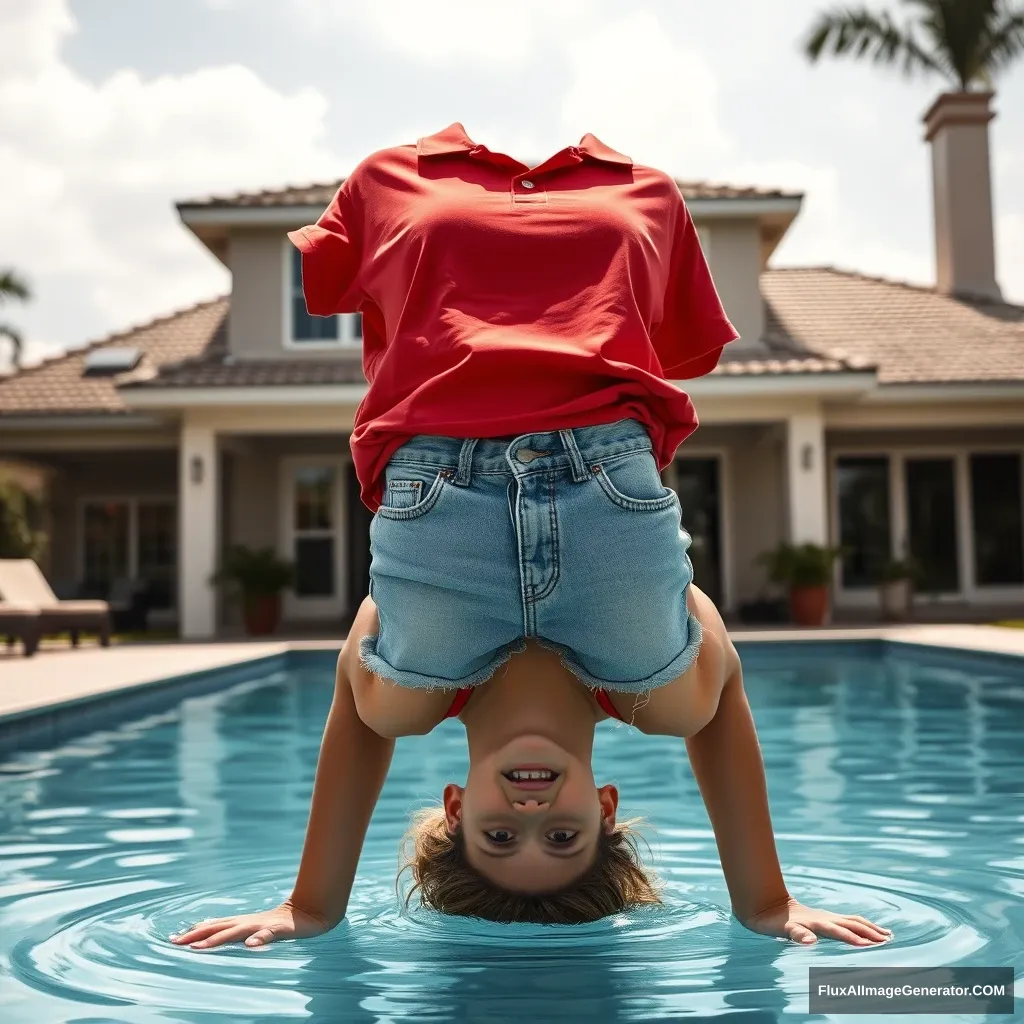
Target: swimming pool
896 779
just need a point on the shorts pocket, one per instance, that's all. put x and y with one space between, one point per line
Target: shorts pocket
633 483
411 491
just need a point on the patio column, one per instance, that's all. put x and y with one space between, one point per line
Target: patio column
807 478
197 547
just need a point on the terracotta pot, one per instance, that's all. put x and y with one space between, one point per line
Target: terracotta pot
809 606
895 599
261 615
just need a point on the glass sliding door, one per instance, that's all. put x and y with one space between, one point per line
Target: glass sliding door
996 514
106 544
864 513
157 550
932 523
699 488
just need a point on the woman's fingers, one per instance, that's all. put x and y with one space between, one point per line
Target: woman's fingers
885 933
201 930
866 929
799 933
234 933
261 938
838 930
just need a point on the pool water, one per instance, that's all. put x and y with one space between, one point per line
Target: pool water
896 782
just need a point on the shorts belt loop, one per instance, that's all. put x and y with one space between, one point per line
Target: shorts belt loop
464 474
579 470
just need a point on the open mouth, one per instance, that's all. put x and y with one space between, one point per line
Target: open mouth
532 778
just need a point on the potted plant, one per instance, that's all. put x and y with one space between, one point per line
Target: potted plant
896 588
806 571
259 576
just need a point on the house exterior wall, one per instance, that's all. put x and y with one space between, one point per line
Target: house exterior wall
256 313
757 506
733 251
257 318
108 475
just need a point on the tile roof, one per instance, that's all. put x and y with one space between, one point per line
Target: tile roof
912 334
819 321
320 194
57 385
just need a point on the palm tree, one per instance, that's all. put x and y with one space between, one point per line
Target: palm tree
12 287
968 42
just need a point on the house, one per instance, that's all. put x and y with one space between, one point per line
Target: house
860 411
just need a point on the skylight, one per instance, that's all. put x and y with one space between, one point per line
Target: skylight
106 362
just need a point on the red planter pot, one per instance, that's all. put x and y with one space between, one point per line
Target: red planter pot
261 615
809 606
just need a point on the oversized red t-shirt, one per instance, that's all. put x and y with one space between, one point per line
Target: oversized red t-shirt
500 299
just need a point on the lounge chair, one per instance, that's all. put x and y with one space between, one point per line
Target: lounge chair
22 583
18 622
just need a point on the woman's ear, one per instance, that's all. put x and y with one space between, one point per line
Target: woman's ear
453 806
608 798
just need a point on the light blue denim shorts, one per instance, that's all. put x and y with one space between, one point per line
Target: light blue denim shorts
569 537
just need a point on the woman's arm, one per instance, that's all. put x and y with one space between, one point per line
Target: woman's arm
350 773
726 760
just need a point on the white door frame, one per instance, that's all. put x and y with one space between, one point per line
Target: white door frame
332 607
721 456
970 591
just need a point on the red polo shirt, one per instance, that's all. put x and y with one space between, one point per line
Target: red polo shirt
504 299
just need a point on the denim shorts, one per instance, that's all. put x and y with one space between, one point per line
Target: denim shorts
569 537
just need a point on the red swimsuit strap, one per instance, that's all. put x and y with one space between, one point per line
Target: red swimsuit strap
459 702
462 696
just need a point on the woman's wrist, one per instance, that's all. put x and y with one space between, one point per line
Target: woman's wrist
749 910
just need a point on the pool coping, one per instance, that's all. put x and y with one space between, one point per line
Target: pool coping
39 723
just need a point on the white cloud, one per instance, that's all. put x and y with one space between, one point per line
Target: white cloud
91 171
645 93
437 32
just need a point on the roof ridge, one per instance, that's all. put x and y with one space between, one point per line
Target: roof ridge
760 191
895 282
89 346
234 197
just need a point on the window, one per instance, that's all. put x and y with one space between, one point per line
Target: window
305 331
131 538
997 521
862 485
315 529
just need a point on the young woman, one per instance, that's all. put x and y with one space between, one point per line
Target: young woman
522 327
531 836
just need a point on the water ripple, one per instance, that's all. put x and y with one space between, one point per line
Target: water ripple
186 818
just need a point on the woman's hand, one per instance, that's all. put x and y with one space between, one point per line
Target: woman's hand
255 930
792 920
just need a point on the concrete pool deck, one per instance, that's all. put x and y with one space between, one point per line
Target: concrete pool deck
59 677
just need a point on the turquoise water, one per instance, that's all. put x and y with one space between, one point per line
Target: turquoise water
896 788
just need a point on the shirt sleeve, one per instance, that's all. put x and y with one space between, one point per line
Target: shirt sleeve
694 327
331 258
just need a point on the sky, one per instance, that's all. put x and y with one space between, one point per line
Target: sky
113 110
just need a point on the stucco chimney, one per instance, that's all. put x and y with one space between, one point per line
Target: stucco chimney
957 128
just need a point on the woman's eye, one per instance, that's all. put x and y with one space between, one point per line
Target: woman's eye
500 835
561 836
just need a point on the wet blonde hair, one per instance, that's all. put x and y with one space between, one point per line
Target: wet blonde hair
447 882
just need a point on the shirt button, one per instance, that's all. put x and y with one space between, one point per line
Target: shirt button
526 183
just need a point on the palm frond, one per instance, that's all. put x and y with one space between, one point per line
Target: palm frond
1004 43
13 286
860 33
8 332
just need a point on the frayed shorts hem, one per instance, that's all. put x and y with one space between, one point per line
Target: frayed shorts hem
374 663
675 668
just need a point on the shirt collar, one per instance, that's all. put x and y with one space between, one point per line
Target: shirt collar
454 139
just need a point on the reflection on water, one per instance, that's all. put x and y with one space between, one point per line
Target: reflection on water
895 787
